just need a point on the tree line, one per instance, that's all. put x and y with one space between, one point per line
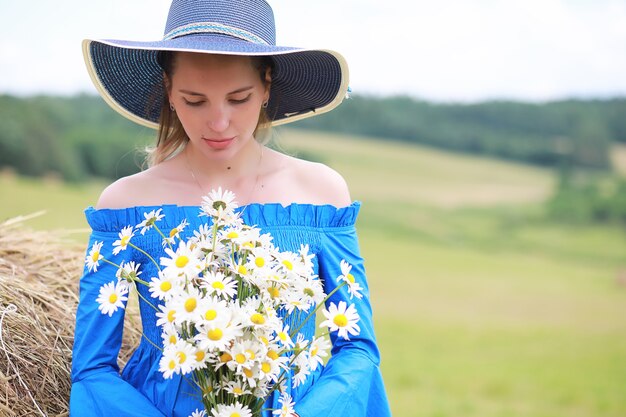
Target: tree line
81 137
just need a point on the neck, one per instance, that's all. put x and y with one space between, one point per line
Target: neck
243 164
239 174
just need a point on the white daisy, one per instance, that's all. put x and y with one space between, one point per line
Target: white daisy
127 273
306 258
244 354
318 350
342 319
187 305
175 233
216 336
112 296
198 413
283 337
149 220
216 283
124 238
93 258
234 410
301 368
354 288
237 388
169 364
219 205
183 262
214 310
164 287
186 356
201 359
166 314
169 334
286 406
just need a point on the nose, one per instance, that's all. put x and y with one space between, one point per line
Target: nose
218 119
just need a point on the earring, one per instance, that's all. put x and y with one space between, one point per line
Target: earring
172 108
265 103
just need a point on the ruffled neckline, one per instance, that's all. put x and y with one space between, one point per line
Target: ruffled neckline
262 215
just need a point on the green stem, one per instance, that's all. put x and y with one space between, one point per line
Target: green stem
145 253
146 301
312 314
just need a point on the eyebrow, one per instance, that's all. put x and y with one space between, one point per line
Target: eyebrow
193 93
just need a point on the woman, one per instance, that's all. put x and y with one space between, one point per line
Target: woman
220 80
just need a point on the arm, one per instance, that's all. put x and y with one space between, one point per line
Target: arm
351 383
97 388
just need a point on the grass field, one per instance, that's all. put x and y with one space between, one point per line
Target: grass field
483 307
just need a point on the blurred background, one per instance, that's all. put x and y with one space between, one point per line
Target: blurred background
486 139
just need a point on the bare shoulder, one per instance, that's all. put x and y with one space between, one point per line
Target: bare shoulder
320 183
125 192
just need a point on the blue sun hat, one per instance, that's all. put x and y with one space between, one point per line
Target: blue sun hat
305 82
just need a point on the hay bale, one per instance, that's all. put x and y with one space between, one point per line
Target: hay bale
39 275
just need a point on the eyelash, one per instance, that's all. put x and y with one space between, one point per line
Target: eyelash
232 101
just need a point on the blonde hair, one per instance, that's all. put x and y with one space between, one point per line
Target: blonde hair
171 137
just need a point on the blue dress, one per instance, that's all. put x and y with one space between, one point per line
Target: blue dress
349 385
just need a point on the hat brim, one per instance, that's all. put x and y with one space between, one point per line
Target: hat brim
305 82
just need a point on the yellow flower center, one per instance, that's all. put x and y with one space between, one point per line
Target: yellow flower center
190 305
232 235
200 356
225 357
314 351
235 414
282 336
181 261
257 318
264 340
240 358
172 365
274 292
181 357
350 278
340 320
112 298
173 232
260 262
272 354
251 354
165 286
242 270
309 292
266 367
215 334
173 339
124 240
237 391
210 314
248 245
218 285
171 315
247 372
95 256
288 264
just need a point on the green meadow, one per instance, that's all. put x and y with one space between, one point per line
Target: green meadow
483 307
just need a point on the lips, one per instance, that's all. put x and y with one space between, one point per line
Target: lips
218 143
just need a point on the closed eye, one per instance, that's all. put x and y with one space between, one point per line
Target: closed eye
193 103
240 101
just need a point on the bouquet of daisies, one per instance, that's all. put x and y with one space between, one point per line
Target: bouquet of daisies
222 295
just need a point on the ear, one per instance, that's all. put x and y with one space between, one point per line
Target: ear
268 83
168 87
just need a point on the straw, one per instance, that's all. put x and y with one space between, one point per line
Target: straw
39 275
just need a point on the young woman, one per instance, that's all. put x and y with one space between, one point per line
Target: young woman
212 87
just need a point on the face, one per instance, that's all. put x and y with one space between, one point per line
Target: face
217 99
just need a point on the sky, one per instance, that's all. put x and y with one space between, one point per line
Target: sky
438 50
